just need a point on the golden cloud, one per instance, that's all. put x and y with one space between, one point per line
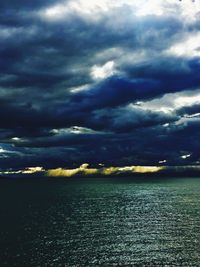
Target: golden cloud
85 170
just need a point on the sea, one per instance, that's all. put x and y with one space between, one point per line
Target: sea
100 222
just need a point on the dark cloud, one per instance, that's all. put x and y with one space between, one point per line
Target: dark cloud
193 110
53 110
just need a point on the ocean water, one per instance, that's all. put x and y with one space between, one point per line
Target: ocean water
100 222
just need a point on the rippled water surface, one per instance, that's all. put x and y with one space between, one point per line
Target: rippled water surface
100 223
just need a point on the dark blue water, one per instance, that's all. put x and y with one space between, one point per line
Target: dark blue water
100 223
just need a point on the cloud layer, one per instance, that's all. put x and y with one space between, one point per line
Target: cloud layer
112 82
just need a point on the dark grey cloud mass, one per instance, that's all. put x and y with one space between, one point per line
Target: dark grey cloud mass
112 82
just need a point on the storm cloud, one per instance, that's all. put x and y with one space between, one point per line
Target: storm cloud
103 82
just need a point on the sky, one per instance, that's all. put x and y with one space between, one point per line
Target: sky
102 82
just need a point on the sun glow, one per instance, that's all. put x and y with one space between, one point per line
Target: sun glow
85 170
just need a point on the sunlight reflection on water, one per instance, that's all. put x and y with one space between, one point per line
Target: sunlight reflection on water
100 223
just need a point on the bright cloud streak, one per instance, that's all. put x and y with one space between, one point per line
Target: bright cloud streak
102 72
186 156
85 170
188 47
171 102
187 101
95 10
162 161
28 170
152 7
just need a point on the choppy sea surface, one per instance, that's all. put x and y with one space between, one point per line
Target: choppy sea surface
100 222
